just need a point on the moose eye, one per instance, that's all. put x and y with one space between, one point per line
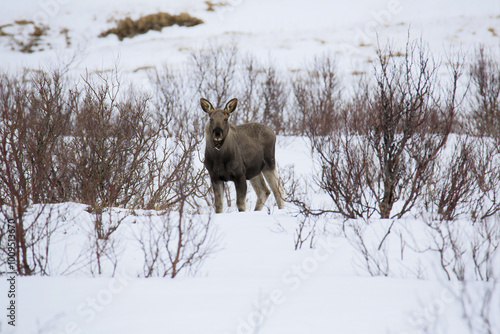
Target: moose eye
225 121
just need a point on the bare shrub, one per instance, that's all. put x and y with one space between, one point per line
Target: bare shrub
451 188
133 153
263 92
128 152
213 71
353 113
339 151
485 78
40 224
103 243
478 306
249 97
112 142
485 243
274 97
472 256
467 182
172 100
306 231
390 157
295 189
339 146
49 121
375 259
34 120
345 170
317 96
175 159
296 192
405 134
467 250
447 243
218 73
92 145
175 242
486 200
189 183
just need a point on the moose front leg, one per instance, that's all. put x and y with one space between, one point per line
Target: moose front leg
218 188
241 194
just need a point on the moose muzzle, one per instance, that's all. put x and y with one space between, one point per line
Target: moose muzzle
218 138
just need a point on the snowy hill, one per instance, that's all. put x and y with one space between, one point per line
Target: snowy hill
289 31
254 281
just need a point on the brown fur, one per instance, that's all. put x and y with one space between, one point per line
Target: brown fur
240 153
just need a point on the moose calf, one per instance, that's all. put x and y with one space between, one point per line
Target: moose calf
240 153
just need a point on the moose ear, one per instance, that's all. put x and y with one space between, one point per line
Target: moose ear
206 105
231 105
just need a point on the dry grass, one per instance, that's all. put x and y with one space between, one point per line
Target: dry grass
3 33
362 44
23 22
211 6
34 38
65 33
32 44
130 28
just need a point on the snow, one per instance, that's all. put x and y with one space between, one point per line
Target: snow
300 29
255 282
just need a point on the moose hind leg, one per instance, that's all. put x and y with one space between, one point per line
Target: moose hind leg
272 178
260 187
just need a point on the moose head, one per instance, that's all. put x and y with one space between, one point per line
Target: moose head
219 126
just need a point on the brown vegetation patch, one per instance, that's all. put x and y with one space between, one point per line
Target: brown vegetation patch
3 33
211 6
32 44
25 36
130 28
23 22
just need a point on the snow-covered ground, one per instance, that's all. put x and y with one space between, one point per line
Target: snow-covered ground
255 282
287 31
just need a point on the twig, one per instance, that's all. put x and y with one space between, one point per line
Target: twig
385 236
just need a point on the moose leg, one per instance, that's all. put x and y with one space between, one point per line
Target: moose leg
218 188
260 187
274 182
241 193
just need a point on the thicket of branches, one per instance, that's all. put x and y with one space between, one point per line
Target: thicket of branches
399 143
380 148
91 141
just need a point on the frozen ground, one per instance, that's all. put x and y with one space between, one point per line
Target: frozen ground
256 282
